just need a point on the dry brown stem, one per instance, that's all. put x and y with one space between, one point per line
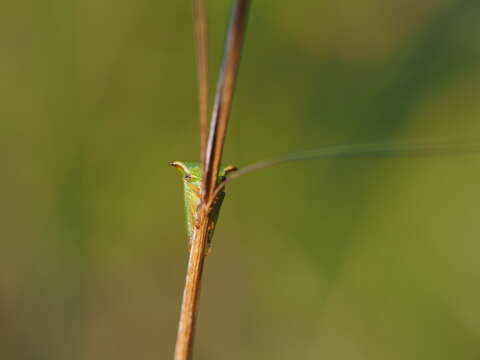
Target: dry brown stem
191 293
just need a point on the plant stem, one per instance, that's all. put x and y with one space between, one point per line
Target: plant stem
191 292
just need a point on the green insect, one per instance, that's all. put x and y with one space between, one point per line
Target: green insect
192 173
192 182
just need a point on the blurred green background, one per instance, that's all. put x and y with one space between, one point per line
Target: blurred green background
330 259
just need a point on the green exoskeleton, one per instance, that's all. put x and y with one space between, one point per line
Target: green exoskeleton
192 184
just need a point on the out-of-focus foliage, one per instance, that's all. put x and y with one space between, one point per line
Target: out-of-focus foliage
331 259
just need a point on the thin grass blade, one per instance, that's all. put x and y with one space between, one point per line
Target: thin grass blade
201 37
371 150
224 96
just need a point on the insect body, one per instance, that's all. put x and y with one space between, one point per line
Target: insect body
192 180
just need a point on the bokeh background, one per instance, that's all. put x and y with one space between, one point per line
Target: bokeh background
329 259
